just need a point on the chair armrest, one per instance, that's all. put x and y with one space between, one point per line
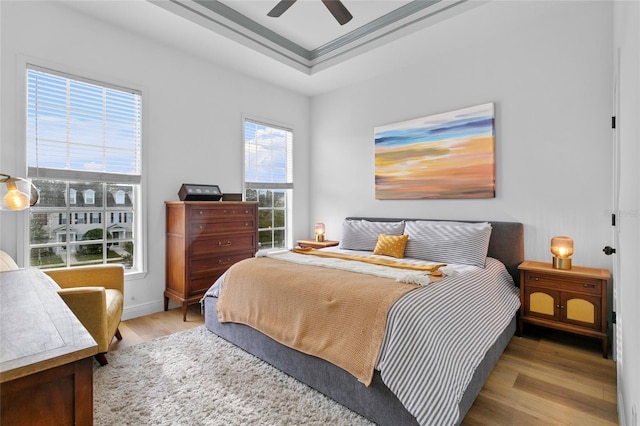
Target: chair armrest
89 305
107 276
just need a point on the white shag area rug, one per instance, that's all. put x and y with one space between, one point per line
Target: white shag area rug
196 378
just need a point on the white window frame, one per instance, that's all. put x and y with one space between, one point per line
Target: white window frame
89 196
288 187
119 197
140 199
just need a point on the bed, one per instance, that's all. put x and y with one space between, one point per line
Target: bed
386 397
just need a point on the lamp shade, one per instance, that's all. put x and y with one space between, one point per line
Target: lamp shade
562 249
16 193
319 230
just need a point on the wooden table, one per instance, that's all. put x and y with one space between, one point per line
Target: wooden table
317 244
46 365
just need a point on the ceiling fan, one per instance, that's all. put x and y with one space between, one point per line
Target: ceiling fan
336 8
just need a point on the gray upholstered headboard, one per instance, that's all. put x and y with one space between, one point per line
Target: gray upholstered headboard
506 243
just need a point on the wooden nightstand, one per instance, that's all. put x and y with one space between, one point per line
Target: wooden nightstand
316 244
572 300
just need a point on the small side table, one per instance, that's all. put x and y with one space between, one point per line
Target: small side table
572 300
316 244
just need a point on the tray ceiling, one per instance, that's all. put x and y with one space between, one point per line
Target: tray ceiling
305 49
306 37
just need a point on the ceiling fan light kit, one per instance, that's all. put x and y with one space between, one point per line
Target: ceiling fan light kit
337 9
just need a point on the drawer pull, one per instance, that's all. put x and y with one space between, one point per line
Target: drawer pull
536 279
224 262
589 285
201 227
221 244
200 212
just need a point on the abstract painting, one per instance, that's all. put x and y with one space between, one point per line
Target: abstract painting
448 155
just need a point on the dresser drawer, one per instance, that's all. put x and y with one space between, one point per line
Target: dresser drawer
212 212
223 226
570 283
200 284
223 244
200 264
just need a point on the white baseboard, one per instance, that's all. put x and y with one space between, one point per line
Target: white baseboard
142 309
148 308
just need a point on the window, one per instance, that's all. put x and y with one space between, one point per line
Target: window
81 218
90 196
268 179
119 196
84 156
95 217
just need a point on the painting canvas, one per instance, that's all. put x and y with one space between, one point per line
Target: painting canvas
448 155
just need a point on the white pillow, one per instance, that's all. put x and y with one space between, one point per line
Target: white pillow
448 242
363 234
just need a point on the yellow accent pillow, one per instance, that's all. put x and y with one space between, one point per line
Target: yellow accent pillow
391 245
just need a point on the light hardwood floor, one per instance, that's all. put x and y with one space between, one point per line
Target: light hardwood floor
543 378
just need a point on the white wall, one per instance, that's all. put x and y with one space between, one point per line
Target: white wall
192 118
549 74
627 43
546 65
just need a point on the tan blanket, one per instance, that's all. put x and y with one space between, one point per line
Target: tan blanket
336 315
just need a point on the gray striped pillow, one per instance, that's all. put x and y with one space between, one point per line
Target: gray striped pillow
448 242
363 234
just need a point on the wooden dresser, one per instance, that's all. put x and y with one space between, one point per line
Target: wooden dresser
46 355
204 238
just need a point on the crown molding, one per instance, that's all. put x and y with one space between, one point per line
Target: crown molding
226 21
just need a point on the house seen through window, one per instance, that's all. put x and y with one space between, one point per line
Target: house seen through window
84 156
268 179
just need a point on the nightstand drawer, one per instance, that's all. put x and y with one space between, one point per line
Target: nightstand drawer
555 282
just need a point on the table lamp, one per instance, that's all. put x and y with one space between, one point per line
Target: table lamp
318 229
562 249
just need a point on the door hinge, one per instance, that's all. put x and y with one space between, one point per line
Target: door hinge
613 122
613 219
613 317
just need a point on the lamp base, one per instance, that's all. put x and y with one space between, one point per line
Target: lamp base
562 263
319 238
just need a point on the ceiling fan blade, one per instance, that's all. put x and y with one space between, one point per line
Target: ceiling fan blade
281 8
338 11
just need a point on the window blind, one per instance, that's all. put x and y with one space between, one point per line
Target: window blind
268 156
81 129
